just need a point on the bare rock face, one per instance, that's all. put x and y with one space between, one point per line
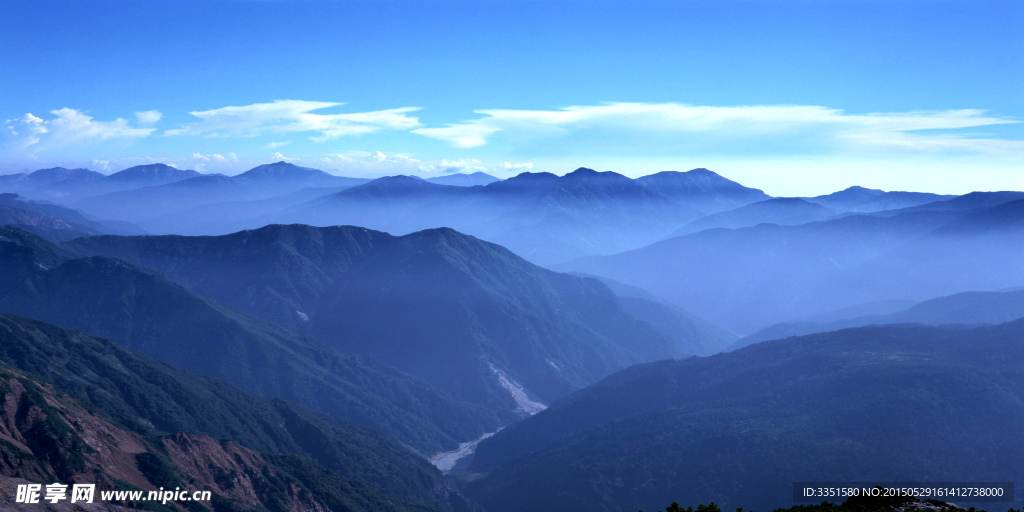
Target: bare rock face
47 437
53 437
232 471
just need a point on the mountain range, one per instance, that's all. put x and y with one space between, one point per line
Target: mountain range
965 308
540 216
749 278
55 222
543 217
868 404
294 340
446 307
142 310
170 196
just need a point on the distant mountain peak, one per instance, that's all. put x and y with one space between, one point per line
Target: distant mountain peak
858 188
702 170
281 170
55 174
533 176
702 189
698 176
147 167
152 172
856 191
587 173
401 184
464 179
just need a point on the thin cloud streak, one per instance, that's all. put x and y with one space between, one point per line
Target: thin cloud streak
876 130
288 116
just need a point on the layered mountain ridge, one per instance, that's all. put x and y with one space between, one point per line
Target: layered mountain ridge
464 304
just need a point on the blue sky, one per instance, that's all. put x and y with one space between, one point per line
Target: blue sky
794 97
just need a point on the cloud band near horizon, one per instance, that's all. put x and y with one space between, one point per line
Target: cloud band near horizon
801 128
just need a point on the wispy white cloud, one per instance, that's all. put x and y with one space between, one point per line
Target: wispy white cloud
275 145
910 141
464 165
67 127
288 116
465 135
102 165
277 157
518 167
148 116
379 163
901 130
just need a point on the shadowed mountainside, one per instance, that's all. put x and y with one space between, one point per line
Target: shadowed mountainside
457 311
142 310
152 398
749 278
868 404
967 308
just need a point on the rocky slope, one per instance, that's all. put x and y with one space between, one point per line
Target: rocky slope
46 437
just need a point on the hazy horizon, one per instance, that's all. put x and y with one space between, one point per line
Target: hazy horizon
793 98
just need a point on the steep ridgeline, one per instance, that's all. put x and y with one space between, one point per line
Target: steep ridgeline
967 308
23 254
540 216
784 211
55 222
466 315
142 310
49 437
867 200
888 403
151 398
47 226
966 202
750 278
